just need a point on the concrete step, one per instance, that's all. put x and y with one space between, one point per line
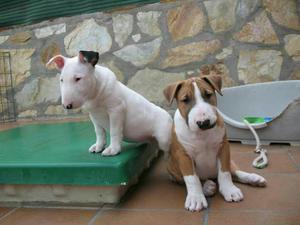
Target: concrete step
50 164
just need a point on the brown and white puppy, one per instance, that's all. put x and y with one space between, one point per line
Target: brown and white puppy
199 148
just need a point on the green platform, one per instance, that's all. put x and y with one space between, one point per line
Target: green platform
58 154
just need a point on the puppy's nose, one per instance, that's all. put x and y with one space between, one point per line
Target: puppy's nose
204 125
69 106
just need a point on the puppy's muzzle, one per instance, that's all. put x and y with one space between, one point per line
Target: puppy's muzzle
205 125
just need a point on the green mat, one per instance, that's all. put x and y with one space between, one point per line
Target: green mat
58 154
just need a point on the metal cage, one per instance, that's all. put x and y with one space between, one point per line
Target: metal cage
7 102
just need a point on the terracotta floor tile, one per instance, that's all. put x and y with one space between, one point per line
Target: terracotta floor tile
253 218
296 155
30 216
279 162
117 217
155 190
157 193
238 147
158 168
4 210
282 193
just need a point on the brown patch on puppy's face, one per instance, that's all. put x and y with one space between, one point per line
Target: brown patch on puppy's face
185 98
183 92
207 91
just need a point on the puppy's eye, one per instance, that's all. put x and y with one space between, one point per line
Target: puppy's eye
77 79
208 94
185 99
61 80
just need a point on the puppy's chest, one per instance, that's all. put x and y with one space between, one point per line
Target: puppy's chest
203 148
204 142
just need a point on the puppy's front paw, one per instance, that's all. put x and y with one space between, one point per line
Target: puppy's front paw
231 193
195 202
96 148
111 151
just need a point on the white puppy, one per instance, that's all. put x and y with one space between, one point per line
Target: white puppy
111 105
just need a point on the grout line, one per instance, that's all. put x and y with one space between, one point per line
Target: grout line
111 206
256 210
62 207
205 217
144 209
209 210
8 213
95 217
206 212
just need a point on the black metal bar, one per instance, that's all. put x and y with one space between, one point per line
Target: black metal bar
12 91
7 101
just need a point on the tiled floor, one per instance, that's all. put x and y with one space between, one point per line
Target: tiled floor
157 201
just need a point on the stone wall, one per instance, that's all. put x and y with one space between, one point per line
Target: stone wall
247 41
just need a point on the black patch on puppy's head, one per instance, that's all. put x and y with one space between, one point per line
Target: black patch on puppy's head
89 57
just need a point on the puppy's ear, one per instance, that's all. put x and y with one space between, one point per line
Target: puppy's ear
215 81
58 61
88 57
171 91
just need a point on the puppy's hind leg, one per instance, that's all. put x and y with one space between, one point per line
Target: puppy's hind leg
209 188
247 178
163 134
